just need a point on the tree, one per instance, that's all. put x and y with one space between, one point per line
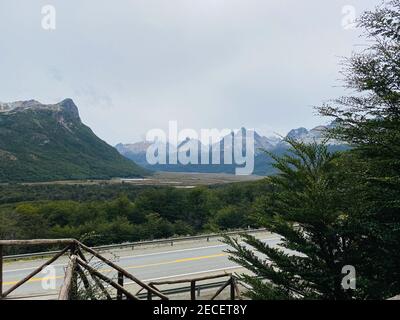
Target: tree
157 227
232 217
337 210
369 120
8 226
306 210
199 207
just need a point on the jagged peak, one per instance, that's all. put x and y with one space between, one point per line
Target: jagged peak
69 106
295 133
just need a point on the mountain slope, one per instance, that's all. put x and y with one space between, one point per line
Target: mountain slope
262 161
49 142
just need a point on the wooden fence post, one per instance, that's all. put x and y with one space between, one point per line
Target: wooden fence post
193 290
121 283
67 290
233 288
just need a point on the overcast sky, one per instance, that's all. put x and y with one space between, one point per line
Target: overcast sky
133 65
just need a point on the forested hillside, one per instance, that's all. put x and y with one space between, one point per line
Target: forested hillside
49 142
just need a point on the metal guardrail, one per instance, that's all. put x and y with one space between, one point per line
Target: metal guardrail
132 245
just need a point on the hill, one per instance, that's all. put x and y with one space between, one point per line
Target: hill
41 142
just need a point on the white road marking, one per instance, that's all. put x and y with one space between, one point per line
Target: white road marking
190 274
143 255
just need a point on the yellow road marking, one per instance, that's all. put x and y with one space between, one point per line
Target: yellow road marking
10 283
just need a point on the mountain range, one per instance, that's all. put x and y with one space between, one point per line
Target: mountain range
42 142
263 162
47 142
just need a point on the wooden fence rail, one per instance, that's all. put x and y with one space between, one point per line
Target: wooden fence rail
75 269
232 282
79 268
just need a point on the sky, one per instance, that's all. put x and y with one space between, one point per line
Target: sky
134 65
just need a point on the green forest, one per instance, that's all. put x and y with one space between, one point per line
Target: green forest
106 214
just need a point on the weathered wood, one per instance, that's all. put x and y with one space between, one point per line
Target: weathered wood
221 289
139 291
158 283
65 292
121 283
233 292
35 272
101 287
106 279
149 294
83 277
78 259
192 290
36 242
235 283
95 279
124 272
1 271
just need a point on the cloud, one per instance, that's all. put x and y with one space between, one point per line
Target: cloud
133 65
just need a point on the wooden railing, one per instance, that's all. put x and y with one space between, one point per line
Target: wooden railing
232 283
79 268
77 265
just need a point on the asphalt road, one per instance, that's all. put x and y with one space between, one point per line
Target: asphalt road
186 260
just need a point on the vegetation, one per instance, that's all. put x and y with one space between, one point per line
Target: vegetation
42 144
309 208
370 120
338 210
331 209
120 213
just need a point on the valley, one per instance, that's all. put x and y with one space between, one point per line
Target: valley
171 179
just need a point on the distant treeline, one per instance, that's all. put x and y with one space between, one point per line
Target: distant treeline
12 193
105 214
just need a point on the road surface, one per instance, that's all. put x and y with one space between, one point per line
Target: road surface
189 260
